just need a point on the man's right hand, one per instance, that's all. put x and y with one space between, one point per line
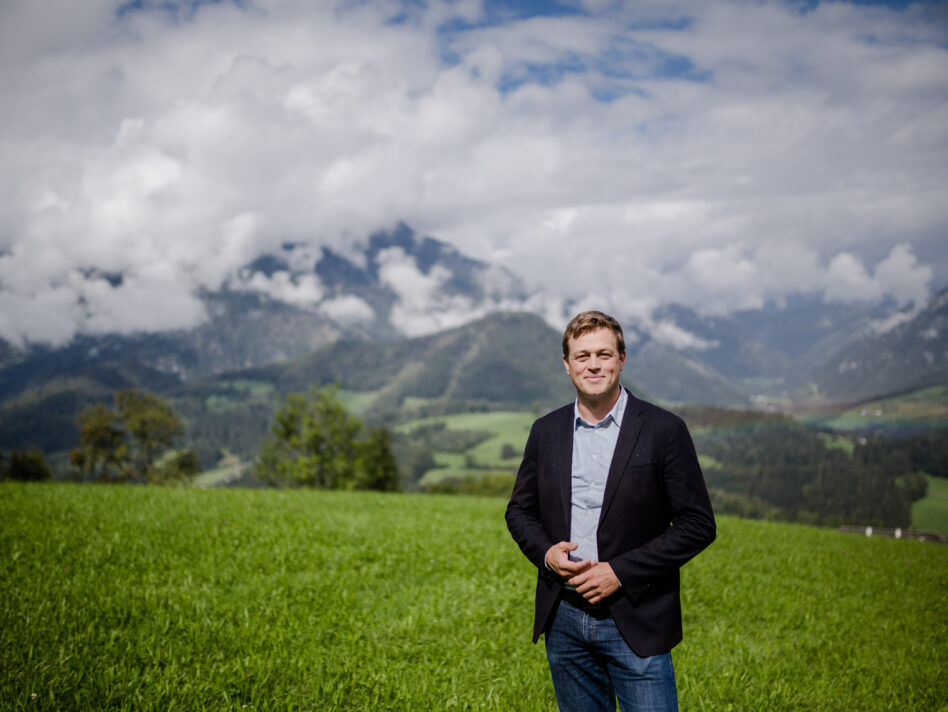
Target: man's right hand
557 558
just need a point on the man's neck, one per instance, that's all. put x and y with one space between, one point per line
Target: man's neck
595 409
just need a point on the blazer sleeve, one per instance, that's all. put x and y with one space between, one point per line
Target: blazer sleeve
689 526
523 510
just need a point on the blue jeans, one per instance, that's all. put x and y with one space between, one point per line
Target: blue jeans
592 666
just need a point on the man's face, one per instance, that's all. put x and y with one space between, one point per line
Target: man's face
594 364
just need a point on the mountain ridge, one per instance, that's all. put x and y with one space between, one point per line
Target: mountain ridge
800 353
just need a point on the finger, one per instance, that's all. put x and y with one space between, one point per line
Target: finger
570 570
588 584
593 596
585 567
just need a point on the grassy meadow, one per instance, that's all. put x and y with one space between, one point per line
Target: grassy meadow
141 598
922 409
505 427
931 512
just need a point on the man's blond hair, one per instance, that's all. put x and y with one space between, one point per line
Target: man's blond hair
587 321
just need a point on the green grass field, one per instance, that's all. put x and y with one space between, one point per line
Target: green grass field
506 428
138 598
926 408
931 513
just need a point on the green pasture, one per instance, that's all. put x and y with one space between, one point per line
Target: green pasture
506 428
931 513
926 408
230 467
839 442
450 466
356 402
260 390
139 598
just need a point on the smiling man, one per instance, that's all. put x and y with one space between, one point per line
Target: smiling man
609 503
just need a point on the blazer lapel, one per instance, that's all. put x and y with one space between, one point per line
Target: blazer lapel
564 463
625 445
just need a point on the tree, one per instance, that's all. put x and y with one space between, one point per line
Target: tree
174 466
914 484
103 444
126 443
314 442
378 470
26 466
152 425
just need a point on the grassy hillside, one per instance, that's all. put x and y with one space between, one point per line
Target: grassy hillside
919 410
145 598
931 513
503 428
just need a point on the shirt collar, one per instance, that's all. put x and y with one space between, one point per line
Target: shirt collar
615 414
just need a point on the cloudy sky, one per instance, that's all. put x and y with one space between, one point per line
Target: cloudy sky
625 154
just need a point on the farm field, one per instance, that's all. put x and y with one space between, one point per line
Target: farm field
923 409
122 598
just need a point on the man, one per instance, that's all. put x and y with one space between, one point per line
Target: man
608 504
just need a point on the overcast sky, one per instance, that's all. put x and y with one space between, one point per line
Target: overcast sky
627 154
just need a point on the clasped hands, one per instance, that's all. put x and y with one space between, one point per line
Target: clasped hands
594 580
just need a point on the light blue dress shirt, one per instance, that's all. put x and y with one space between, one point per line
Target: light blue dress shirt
593 446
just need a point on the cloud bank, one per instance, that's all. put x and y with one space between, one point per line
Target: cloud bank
714 154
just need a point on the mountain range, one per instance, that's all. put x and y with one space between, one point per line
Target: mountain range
411 321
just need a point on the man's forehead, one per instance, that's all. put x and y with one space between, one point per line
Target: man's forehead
598 338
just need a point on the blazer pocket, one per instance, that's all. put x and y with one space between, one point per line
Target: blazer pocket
636 592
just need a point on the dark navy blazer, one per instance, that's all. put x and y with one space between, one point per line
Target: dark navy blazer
656 515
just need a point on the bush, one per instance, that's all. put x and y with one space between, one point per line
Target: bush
26 466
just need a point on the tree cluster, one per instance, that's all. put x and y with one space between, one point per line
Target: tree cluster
132 441
27 465
315 442
791 473
929 452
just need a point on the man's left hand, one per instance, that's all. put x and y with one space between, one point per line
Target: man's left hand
596 583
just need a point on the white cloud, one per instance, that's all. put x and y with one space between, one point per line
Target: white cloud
302 290
726 274
50 315
669 333
347 309
882 326
898 276
846 280
136 301
421 308
901 276
746 152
